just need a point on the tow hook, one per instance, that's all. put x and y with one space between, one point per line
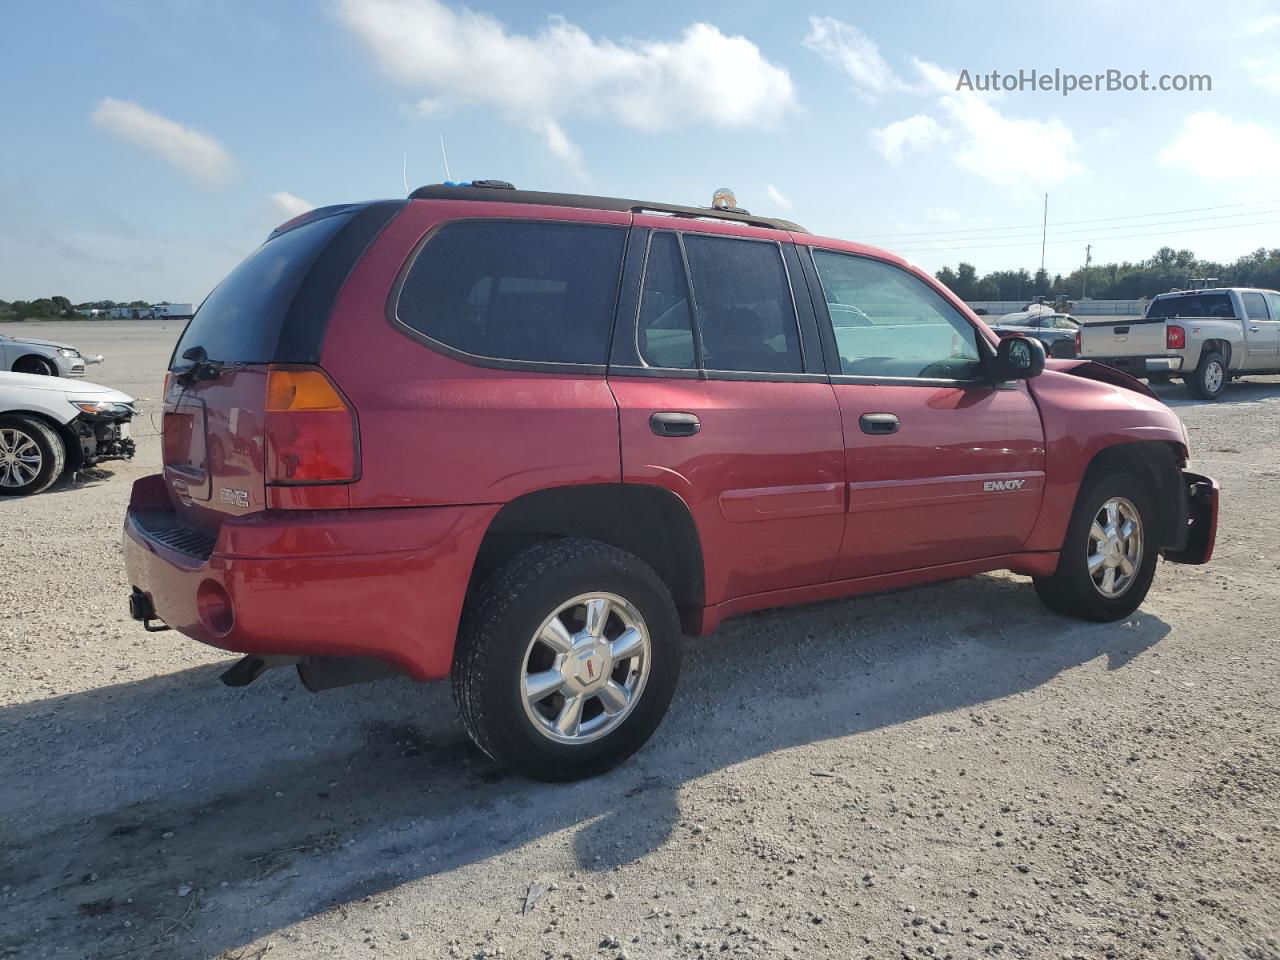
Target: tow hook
141 608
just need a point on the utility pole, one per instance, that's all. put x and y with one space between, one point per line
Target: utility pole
1088 258
1044 235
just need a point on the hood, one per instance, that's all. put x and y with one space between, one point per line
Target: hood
1092 370
33 342
72 389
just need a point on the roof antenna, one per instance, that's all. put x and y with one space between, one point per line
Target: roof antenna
404 172
443 153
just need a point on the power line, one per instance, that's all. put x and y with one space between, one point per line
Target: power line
1087 232
1130 236
1068 223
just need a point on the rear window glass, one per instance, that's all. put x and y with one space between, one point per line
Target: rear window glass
1196 305
240 321
517 290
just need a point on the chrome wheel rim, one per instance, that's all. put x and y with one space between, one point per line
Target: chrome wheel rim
1115 547
585 668
1213 376
20 458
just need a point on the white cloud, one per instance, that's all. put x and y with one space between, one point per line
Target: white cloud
288 205
461 57
913 133
1264 72
1010 151
849 49
196 154
1261 25
777 197
1199 148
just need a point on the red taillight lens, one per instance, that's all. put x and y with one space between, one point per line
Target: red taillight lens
1175 338
1077 343
311 429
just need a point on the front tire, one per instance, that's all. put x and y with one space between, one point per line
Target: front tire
36 365
31 456
1108 557
567 659
1209 378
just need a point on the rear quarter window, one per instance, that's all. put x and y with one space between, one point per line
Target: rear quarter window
516 290
240 322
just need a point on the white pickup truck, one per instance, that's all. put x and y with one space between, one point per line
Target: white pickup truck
1205 337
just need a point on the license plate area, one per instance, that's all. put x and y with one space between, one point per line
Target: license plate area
185 447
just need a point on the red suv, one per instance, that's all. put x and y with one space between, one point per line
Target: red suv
525 440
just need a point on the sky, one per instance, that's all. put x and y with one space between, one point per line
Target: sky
152 144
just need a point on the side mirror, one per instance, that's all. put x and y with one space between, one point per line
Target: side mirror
1019 358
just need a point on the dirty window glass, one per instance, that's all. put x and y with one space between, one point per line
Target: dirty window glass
517 290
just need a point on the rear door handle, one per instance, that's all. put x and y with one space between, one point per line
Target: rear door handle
1253 329
672 424
1120 330
879 424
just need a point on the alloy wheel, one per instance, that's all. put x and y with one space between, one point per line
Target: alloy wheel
20 458
1115 547
585 668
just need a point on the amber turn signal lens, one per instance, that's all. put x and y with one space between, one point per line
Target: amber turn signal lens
294 391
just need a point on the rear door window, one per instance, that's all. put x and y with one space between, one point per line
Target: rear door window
516 290
742 300
664 334
241 320
1255 306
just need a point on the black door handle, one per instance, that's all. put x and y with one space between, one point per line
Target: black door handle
670 424
879 424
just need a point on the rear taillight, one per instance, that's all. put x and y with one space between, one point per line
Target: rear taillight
1078 350
311 429
1175 338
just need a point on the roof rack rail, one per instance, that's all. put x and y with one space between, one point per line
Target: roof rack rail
499 191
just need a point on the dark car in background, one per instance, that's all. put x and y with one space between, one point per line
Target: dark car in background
1059 332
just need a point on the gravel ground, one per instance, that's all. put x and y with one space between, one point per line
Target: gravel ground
950 771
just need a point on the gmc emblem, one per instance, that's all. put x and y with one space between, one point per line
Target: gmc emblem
236 498
991 485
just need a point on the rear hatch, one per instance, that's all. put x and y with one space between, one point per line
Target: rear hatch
261 331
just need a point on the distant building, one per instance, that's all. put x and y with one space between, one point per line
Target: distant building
154 311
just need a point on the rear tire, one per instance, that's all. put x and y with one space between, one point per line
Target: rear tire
1209 378
1078 588
567 659
36 365
31 456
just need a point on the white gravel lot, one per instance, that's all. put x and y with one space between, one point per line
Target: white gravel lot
946 772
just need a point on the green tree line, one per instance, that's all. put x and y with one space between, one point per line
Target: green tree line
55 308
1167 270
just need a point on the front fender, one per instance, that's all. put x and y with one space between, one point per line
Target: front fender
1083 416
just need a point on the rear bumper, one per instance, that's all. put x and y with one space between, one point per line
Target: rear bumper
381 583
1202 521
1142 366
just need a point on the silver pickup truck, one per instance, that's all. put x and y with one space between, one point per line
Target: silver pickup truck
1205 337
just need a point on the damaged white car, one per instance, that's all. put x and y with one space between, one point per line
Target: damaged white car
43 357
49 427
